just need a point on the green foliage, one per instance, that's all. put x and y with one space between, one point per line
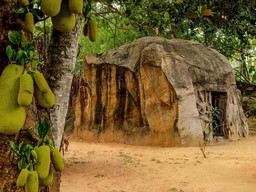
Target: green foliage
21 52
215 116
214 126
112 33
31 9
37 12
23 151
42 128
14 37
18 9
224 29
26 151
228 27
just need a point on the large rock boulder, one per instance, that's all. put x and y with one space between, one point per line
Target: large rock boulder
159 92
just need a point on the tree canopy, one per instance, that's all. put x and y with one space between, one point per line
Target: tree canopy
228 26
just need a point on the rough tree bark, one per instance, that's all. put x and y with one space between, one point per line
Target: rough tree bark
59 70
8 166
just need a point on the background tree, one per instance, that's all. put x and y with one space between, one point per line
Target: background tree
228 26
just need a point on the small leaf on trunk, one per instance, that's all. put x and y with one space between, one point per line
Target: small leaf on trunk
18 9
22 163
42 128
9 52
14 37
13 146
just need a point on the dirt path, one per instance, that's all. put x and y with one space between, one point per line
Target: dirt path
97 167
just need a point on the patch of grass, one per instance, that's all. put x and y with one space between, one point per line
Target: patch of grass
139 155
127 158
72 158
197 162
99 175
91 152
174 189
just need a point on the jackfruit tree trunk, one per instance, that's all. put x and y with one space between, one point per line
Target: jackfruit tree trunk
8 168
59 70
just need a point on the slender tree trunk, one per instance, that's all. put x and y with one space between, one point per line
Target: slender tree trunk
59 70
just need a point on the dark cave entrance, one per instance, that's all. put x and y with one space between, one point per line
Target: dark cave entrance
219 105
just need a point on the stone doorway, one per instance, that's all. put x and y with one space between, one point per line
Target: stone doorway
219 105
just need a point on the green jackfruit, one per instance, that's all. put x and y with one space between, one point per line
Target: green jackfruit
32 183
22 178
75 6
48 180
41 82
92 30
50 7
34 154
43 94
23 40
26 90
85 29
43 162
57 160
29 25
24 3
46 100
65 21
12 116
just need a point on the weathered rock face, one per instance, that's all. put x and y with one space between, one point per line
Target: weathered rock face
159 92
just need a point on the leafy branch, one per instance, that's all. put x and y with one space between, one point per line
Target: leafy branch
21 51
27 153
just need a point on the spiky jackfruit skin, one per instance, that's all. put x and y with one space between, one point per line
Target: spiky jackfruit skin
42 166
48 180
22 178
29 25
32 183
46 100
24 3
26 90
50 7
12 115
75 6
65 21
57 160
43 93
41 82
92 30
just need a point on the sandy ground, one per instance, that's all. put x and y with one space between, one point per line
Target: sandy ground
101 167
